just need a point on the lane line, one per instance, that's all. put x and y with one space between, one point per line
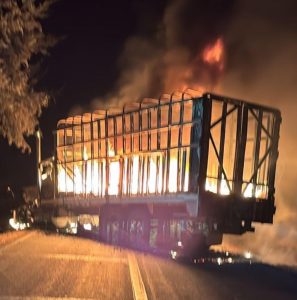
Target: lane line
76 257
19 240
85 258
40 298
148 280
138 287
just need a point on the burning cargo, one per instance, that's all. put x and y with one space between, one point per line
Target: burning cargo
164 167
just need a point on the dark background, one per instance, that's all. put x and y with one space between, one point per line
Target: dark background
81 67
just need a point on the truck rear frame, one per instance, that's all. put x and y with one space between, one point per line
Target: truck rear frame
169 167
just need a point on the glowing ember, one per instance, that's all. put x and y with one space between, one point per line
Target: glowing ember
213 54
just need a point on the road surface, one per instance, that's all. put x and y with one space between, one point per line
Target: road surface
40 266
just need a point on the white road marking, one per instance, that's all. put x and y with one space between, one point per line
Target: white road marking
41 298
21 239
139 292
109 259
149 280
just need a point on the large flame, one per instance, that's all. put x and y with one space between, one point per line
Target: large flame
213 54
114 173
88 178
92 182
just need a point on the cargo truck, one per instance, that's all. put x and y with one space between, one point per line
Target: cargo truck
179 169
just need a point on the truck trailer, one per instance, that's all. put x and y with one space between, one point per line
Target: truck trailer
180 169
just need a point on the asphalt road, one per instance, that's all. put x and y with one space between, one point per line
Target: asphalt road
43 266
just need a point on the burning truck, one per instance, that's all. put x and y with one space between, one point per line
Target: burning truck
181 169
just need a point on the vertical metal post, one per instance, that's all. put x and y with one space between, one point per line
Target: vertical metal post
180 167
83 177
180 142
257 151
38 160
73 151
125 164
157 171
195 151
265 164
149 128
140 176
55 165
132 132
148 173
164 159
115 136
64 161
168 142
273 156
92 155
158 144
99 160
106 157
222 146
241 136
206 119
183 172
158 125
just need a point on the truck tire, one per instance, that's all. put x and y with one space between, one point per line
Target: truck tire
138 229
110 228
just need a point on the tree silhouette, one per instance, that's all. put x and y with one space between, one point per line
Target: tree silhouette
22 42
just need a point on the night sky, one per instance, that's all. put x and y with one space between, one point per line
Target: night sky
81 67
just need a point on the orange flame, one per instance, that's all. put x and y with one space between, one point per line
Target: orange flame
213 54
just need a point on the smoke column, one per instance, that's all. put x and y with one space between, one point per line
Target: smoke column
170 57
261 46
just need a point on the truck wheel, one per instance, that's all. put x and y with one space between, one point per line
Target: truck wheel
138 227
113 230
110 228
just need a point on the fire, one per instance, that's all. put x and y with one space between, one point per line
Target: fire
211 186
87 179
114 173
213 54
135 174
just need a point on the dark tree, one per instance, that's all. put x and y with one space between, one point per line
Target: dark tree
22 40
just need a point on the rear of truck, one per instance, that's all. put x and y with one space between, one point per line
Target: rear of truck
238 163
179 167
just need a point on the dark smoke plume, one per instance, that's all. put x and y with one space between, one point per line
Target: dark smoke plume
261 47
171 58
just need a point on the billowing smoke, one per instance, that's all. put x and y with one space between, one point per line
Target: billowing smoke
171 57
261 49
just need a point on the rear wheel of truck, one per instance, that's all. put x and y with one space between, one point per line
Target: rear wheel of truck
113 229
138 229
110 227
